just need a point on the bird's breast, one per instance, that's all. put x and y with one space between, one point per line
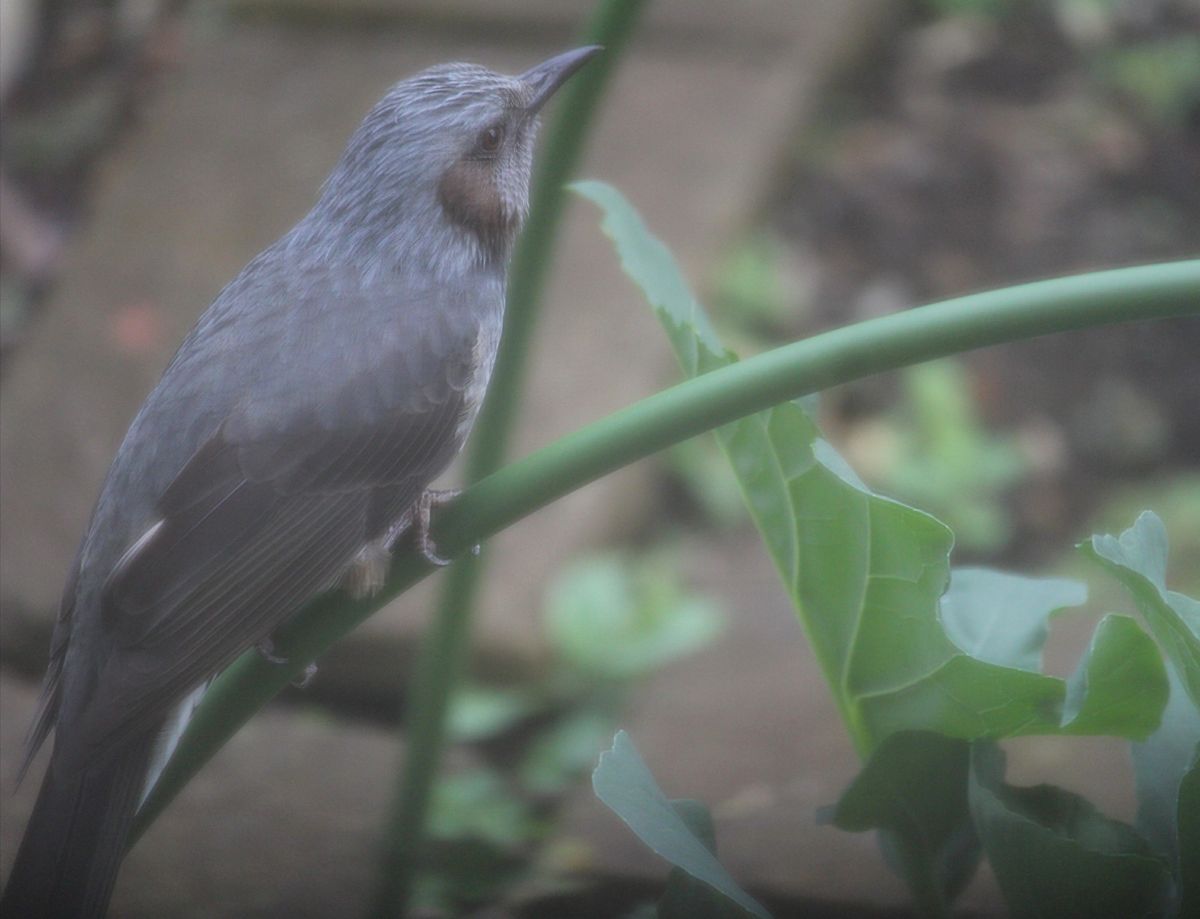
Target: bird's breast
483 359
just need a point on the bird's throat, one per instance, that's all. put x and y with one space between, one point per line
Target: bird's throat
472 201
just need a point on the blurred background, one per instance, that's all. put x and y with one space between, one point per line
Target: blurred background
811 164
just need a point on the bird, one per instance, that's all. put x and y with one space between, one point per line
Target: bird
290 443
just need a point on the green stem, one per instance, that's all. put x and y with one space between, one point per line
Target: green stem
821 362
439 664
443 653
674 415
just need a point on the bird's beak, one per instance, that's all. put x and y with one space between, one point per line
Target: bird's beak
548 76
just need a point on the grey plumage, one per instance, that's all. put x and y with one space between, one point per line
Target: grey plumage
294 430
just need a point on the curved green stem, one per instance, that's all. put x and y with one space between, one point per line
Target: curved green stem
673 415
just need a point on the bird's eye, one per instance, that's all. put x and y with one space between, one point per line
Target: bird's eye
491 138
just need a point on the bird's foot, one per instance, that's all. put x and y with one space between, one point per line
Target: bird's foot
266 649
368 572
430 499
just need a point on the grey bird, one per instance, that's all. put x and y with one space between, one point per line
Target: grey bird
290 442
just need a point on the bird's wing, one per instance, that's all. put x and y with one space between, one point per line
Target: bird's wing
266 514
48 700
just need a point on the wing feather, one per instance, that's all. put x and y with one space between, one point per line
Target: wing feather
49 698
239 548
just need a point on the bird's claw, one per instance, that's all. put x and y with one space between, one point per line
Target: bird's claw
266 649
425 547
429 499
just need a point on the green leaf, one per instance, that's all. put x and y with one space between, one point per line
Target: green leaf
1002 618
686 897
893 789
1165 771
622 781
915 786
866 573
696 815
1138 559
1189 839
972 700
1120 687
1055 856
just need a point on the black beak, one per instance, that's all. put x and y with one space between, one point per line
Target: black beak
548 76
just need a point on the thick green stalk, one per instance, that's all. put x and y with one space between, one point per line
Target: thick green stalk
443 653
673 415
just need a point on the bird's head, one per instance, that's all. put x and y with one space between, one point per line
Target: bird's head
444 160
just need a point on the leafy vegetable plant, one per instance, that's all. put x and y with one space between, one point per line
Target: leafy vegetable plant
929 666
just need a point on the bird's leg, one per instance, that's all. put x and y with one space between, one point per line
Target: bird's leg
368 571
266 648
431 498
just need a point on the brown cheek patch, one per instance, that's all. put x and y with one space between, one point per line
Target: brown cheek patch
468 193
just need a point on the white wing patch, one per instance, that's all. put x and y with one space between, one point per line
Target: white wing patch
168 737
133 552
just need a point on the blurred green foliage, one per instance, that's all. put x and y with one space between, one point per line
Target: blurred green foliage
610 619
947 462
749 291
1159 73
1073 10
478 805
479 712
565 750
1161 76
971 7
704 475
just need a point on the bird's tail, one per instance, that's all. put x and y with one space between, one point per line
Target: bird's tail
76 838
